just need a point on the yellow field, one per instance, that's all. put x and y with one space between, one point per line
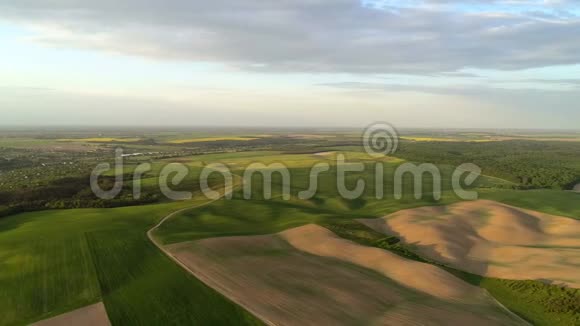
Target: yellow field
242 160
198 140
99 140
445 139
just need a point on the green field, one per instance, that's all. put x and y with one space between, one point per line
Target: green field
141 286
564 203
206 139
241 216
54 261
60 260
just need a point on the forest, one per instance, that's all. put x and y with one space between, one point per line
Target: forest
70 192
528 164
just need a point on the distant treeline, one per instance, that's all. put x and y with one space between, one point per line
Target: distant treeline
528 164
14 163
268 143
70 192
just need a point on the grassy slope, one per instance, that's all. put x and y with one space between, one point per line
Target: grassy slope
556 202
259 216
249 217
55 261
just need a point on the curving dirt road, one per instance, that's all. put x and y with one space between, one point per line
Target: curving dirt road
200 277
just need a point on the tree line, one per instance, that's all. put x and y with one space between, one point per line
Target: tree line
528 164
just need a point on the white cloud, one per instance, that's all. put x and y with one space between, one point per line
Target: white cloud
311 35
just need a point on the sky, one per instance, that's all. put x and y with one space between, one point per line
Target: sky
291 63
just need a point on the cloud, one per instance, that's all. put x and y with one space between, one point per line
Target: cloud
573 82
311 35
458 74
480 90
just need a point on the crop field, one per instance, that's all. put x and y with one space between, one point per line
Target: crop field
23 143
209 139
56 261
490 137
99 140
563 203
535 301
440 139
44 277
140 285
52 249
287 285
240 217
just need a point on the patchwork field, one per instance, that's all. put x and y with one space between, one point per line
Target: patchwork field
55 262
491 239
539 303
308 276
491 137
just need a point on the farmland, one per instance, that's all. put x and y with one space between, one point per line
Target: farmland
206 139
299 289
65 249
131 271
73 258
100 140
289 163
535 301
